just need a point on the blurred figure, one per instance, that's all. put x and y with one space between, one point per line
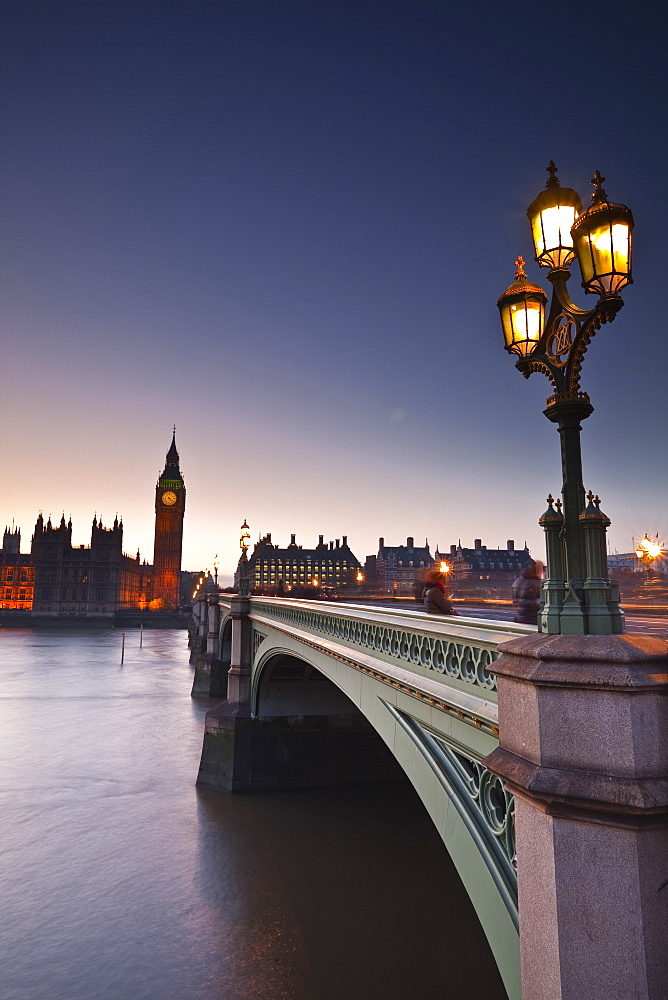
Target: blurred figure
435 596
526 593
280 589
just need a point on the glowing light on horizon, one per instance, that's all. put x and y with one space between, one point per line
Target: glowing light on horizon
647 549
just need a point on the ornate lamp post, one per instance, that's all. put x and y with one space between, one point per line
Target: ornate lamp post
215 570
244 578
577 597
647 552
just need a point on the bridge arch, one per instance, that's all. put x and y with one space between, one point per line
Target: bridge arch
225 637
221 664
285 684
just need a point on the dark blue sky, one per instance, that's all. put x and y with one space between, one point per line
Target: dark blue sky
284 226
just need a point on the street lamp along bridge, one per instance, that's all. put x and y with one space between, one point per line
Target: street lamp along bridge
577 596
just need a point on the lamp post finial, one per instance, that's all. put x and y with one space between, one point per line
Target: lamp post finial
553 180
598 193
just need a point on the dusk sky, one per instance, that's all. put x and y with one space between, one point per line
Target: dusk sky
283 226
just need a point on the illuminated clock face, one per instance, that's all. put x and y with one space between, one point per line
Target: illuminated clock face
169 498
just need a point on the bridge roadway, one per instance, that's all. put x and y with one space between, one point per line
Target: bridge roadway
318 672
644 622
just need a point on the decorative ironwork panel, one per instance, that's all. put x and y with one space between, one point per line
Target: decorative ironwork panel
258 639
481 800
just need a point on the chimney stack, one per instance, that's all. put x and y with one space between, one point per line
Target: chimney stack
381 543
511 545
292 539
453 550
338 543
321 540
477 544
345 541
409 542
331 546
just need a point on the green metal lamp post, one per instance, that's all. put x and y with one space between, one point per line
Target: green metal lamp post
244 576
577 596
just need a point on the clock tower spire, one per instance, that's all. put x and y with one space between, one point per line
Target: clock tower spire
170 505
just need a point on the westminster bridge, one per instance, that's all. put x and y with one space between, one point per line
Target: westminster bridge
542 761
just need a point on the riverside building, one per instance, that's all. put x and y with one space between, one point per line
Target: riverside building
400 567
329 564
482 564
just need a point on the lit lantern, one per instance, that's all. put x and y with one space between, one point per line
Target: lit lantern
647 549
552 215
244 541
522 308
602 238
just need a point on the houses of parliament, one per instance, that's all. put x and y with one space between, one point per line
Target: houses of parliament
57 578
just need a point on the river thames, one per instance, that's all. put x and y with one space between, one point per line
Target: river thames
120 879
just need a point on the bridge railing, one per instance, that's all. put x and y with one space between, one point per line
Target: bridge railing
453 650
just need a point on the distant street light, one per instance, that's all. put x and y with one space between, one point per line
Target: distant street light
244 578
647 552
577 597
215 569
360 576
444 568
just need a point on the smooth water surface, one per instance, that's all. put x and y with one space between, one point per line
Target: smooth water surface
119 879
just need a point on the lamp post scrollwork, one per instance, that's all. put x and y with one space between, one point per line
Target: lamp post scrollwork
577 596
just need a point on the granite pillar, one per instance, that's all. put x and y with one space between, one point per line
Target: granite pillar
583 746
239 674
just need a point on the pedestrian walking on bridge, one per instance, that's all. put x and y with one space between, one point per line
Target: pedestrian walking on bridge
526 593
435 596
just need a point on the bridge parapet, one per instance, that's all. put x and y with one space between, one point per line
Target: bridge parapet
457 651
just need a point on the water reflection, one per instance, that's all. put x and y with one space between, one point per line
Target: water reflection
119 879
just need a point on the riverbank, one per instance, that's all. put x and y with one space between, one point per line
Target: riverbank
119 620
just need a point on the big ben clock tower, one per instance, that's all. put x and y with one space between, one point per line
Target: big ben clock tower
170 505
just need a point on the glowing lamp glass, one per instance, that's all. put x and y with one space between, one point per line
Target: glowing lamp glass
602 237
552 215
523 320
